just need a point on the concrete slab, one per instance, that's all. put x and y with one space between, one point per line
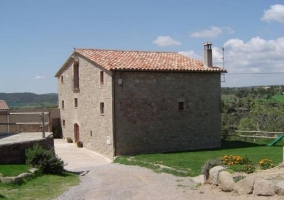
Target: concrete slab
10 138
78 159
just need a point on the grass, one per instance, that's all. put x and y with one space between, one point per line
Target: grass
191 162
278 98
42 187
13 170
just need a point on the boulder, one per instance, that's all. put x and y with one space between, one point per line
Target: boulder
263 188
14 180
279 188
24 175
245 186
225 181
214 173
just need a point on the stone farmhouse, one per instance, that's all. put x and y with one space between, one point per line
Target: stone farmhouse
133 102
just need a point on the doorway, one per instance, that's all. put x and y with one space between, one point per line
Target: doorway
76 133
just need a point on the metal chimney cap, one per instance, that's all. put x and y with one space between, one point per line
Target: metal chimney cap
207 44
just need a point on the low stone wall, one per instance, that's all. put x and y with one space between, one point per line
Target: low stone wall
14 153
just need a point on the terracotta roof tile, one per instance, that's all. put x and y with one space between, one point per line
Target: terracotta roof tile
145 61
3 105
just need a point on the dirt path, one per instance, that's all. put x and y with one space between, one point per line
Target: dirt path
121 182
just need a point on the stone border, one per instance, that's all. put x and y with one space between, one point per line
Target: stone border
263 184
17 179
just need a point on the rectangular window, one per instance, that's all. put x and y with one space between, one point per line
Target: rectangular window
62 104
102 108
76 75
180 105
101 77
61 78
75 102
63 122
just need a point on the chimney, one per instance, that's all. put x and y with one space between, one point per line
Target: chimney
208 54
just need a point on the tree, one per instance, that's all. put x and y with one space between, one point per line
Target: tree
264 117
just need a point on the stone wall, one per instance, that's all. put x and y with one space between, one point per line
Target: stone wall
3 119
54 116
95 129
147 115
14 153
143 110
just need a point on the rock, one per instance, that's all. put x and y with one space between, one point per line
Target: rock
14 180
1 175
214 173
279 188
24 175
225 181
33 170
245 186
263 188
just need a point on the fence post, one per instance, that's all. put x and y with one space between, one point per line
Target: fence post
42 121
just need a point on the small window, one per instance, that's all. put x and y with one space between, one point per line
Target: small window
61 78
75 102
62 104
180 105
102 108
63 122
91 133
101 77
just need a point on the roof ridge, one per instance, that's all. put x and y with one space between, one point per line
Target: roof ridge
120 50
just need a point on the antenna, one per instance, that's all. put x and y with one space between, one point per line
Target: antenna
223 49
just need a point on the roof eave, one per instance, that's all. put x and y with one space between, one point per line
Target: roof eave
66 64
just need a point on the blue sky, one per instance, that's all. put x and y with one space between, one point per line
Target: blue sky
37 37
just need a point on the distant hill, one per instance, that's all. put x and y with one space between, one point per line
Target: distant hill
30 100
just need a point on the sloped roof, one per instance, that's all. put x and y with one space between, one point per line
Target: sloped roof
142 61
3 105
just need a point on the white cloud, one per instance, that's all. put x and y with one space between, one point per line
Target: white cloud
39 77
191 54
275 13
165 41
213 32
228 30
254 56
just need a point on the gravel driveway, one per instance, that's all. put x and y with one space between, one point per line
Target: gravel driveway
121 182
111 181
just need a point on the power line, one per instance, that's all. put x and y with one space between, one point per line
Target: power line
257 73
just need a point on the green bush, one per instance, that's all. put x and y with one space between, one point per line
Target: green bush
45 160
57 133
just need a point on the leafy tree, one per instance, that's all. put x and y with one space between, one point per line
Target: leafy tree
264 117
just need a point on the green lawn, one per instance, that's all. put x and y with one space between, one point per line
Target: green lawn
191 162
279 98
43 187
13 170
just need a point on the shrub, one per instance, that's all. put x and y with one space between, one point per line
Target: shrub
231 160
56 133
266 164
208 165
246 161
79 144
44 160
69 140
249 169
